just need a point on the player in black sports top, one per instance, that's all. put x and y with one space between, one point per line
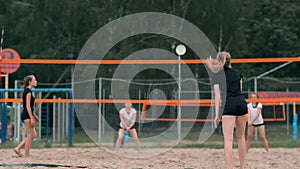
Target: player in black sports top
25 115
227 83
28 116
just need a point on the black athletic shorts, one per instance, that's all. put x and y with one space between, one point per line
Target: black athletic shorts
257 125
24 116
133 127
235 106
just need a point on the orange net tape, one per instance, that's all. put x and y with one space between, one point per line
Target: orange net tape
202 101
113 62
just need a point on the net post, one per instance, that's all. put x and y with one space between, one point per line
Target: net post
59 121
287 118
212 109
19 124
71 121
179 104
17 114
6 84
40 116
139 113
4 121
48 121
99 111
54 121
67 115
63 120
255 91
103 115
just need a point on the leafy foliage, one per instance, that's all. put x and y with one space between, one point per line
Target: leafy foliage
57 29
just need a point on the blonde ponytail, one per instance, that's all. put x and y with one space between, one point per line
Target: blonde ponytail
223 61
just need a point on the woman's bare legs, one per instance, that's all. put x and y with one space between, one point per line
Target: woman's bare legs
120 138
250 136
240 134
262 133
17 150
31 134
228 123
133 134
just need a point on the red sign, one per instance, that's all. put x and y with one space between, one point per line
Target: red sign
9 53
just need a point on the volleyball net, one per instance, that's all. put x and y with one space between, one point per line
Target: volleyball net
160 105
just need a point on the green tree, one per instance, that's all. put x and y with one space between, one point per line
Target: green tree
271 28
57 29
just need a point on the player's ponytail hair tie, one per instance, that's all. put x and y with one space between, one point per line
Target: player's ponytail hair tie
223 61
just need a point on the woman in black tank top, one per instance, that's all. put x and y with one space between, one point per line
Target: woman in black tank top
28 116
227 83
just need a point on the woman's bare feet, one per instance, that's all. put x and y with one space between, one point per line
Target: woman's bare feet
18 152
